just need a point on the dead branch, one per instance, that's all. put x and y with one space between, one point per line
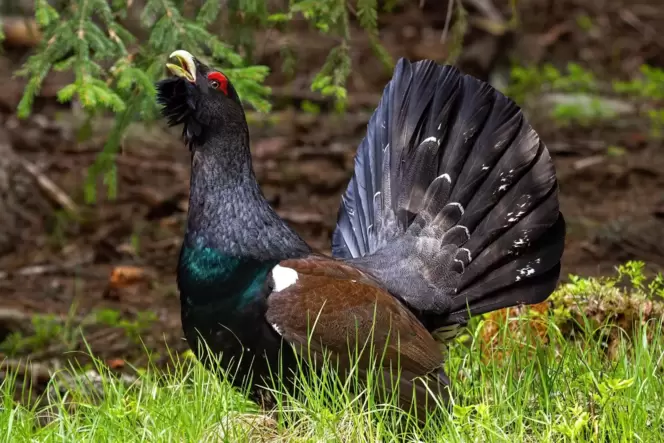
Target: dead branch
50 188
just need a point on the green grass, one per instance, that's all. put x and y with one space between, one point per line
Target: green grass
540 380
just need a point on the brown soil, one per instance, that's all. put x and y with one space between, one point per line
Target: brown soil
614 206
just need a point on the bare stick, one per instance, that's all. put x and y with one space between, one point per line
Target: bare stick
53 191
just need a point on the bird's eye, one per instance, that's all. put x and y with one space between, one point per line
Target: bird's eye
217 80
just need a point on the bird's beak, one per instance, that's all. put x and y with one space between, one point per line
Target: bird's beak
185 68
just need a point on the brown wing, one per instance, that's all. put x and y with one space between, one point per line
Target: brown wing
342 304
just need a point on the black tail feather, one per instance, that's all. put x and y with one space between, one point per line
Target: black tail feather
454 201
501 287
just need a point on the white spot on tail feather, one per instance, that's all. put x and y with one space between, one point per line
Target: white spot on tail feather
516 217
526 271
283 278
520 242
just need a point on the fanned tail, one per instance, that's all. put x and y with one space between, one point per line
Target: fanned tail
453 204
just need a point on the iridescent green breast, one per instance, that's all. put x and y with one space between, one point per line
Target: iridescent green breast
206 275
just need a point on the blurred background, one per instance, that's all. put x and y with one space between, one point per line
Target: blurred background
587 72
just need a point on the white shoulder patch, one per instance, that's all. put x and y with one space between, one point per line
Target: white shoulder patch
283 277
277 328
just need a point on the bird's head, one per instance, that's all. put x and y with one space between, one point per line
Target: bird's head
200 98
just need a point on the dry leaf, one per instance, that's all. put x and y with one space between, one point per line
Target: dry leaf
115 363
123 276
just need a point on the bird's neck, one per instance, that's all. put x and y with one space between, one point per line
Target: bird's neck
233 237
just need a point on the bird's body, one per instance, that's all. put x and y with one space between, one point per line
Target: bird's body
452 211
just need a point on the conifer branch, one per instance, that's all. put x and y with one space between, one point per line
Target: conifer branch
113 72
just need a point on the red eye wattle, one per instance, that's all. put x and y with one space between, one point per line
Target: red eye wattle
218 81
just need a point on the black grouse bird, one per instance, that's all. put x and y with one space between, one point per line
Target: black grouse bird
452 211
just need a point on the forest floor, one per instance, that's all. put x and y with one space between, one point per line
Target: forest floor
114 274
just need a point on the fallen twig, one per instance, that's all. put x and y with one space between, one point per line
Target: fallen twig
589 161
53 191
31 271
